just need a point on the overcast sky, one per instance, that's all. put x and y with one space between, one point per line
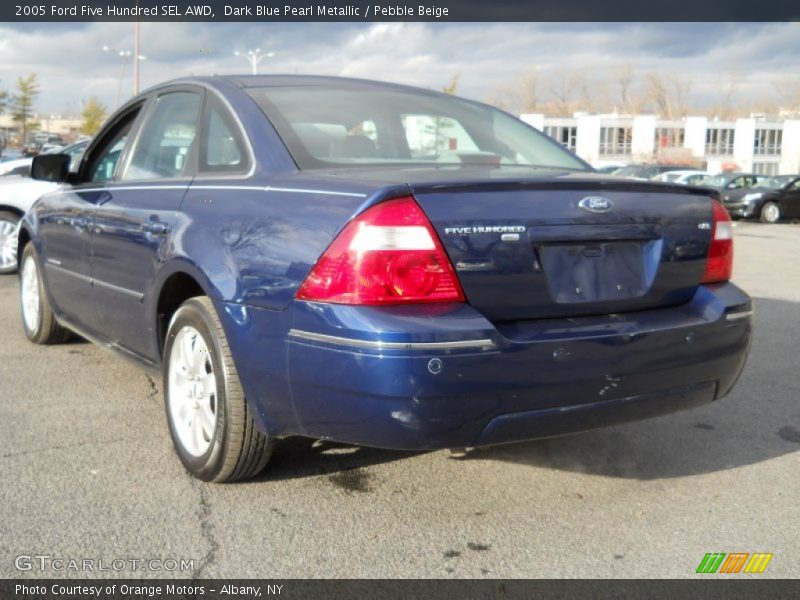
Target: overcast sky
71 65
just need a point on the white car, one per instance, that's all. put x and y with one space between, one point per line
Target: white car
18 166
17 195
686 177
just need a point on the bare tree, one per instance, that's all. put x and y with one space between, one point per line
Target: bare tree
625 100
668 95
788 90
562 90
681 87
591 95
451 87
527 91
728 85
519 96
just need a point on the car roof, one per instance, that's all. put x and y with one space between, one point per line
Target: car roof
255 81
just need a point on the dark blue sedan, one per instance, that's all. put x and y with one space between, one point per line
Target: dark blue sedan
378 265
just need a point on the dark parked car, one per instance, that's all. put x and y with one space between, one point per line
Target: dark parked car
770 199
732 181
648 171
608 170
378 265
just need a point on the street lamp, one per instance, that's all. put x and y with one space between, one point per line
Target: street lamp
124 55
254 57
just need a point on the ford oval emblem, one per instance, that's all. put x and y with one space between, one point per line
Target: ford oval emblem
595 204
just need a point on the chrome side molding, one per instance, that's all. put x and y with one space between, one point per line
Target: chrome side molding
483 344
736 316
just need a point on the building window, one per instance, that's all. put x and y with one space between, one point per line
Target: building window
669 137
564 134
615 140
768 142
765 168
719 141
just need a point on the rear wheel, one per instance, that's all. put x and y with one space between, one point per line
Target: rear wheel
38 320
770 213
9 226
210 422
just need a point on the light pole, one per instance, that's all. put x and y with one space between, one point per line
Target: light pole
254 57
136 55
124 55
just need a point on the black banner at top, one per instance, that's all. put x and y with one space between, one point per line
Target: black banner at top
397 10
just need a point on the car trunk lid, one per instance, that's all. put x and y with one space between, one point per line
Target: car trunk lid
559 248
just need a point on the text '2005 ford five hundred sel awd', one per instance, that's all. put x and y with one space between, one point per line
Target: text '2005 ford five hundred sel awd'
379 265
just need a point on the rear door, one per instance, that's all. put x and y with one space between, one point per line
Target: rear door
134 223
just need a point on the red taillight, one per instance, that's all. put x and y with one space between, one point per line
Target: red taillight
719 264
390 254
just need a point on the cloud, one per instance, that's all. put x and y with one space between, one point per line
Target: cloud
72 66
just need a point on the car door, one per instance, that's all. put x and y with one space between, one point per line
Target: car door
132 227
791 200
65 227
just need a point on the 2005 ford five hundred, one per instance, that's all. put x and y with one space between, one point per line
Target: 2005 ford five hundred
378 265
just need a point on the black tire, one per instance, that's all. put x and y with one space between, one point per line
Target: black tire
770 212
8 218
237 449
46 330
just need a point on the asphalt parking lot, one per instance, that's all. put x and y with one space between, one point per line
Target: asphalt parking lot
87 471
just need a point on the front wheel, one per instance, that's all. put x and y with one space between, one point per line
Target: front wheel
38 320
9 227
209 420
770 213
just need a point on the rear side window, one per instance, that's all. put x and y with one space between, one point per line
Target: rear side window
164 145
222 149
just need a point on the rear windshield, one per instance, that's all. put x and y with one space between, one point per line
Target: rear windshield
328 126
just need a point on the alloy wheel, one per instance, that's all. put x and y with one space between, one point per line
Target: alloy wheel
29 294
192 391
772 213
8 244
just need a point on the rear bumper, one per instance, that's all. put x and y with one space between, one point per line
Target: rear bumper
438 377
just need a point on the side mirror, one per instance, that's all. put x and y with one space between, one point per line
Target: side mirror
51 167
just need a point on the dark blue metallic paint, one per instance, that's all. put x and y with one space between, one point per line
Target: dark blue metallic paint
555 364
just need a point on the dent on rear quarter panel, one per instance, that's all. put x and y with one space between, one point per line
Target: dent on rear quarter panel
258 246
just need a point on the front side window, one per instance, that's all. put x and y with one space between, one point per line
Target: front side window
102 163
338 125
163 148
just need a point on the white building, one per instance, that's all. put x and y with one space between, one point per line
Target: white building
749 145
63 125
